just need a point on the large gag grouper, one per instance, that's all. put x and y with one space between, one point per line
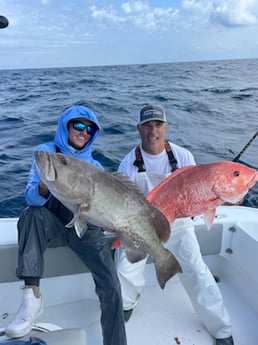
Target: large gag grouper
111 201
199 189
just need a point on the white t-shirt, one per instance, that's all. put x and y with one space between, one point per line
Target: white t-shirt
157 164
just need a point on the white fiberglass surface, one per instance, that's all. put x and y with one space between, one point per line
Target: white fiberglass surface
163 317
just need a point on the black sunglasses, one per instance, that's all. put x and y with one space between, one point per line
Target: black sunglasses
80 126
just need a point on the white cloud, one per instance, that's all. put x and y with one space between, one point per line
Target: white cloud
134 7
191 13
138 14
235 13
108 14
86 32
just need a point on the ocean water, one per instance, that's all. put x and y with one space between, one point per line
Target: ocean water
211 109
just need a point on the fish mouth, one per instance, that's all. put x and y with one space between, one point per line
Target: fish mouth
253 181
248 186
45 165
38 161
238 196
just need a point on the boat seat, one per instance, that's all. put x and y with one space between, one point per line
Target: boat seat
59 261
63 261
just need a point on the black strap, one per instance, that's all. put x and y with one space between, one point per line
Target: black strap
139 163
139 160
171 157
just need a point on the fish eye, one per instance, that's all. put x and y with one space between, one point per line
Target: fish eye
236 173
64 161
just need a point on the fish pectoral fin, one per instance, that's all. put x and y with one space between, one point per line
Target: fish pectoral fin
220 187
209 217
79 223
76 215
80 226
71 223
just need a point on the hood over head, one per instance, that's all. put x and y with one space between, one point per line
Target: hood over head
61 137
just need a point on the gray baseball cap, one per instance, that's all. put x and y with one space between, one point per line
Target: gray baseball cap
152 113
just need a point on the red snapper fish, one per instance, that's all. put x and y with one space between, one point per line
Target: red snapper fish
199 189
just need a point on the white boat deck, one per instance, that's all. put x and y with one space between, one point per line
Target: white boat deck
162 317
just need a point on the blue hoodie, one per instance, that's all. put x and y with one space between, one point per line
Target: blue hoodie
32 195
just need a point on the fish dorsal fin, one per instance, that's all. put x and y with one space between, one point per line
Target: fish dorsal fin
121 179
152 194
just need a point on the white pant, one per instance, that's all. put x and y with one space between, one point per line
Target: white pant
196 279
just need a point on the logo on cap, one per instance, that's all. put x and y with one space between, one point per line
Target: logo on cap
152 113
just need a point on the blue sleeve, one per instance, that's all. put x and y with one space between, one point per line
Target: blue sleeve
32 196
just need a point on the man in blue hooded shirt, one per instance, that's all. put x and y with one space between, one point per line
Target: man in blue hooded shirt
42 225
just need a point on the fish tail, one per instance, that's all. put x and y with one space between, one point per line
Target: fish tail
165 269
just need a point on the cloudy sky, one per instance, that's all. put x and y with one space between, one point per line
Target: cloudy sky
60 33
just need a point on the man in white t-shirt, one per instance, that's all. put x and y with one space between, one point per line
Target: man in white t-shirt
147 165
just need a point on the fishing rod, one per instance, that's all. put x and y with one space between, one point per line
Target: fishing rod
245 147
